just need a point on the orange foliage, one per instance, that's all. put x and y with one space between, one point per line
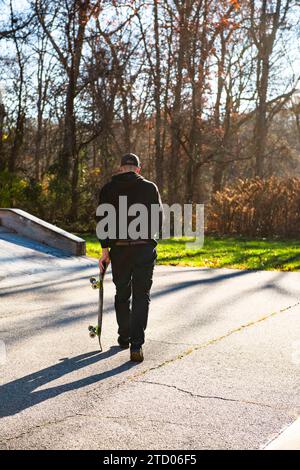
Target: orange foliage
256 207
235 3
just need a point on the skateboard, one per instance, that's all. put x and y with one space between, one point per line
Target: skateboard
98 284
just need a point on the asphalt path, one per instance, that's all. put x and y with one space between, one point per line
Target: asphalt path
221 369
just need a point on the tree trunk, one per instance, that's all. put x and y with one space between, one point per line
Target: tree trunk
218 176
38 139
67 153
261 129
157 98
17 143
189 191
73 215
268 27
2 156
176 119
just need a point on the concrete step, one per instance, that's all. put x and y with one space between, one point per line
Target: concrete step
29 226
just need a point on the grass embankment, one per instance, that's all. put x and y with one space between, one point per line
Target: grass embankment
221 252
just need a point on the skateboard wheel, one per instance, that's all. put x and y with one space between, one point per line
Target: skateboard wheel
92 335
90 328
93 282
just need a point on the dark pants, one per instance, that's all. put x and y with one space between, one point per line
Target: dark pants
132 270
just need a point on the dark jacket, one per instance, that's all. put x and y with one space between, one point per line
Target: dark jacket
138 191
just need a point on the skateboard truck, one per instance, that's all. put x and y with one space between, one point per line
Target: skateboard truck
94 331
94 283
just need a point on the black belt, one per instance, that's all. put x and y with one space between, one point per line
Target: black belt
131 242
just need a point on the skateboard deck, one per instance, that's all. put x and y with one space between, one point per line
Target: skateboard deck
97 330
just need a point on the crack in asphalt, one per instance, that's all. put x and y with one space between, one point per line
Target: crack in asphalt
175 343
182 355
93 416
198 347
213 397
143 419
37 426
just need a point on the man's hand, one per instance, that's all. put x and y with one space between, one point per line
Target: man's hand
104 260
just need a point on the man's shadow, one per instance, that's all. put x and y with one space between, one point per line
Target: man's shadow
20 394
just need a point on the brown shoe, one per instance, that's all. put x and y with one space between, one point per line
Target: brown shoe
136 355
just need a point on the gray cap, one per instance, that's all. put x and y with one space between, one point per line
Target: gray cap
130 159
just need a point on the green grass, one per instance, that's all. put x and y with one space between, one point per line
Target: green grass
221 252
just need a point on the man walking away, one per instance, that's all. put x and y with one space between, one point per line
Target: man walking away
132 259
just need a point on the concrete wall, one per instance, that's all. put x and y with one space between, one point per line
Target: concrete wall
37 229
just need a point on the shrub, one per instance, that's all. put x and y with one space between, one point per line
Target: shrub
256 207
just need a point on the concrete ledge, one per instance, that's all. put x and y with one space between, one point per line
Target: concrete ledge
289 439
37 229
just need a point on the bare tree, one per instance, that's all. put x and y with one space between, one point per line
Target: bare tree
2 116
266 20
20 85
